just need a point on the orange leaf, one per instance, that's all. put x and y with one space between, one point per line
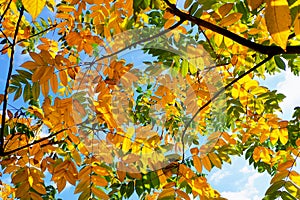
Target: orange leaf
197 163
231 19
206 162
99 193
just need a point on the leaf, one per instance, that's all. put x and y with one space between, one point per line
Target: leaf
279 29
231 19
99 193
279 62
283 135
286 196
197 163
254 4
34 7
276 186
225 9
206 162
39 188
295 177
168 193
215 160
184 67
187 3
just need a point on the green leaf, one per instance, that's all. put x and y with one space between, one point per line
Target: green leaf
130 189
184 67
286 196
275 187
279 62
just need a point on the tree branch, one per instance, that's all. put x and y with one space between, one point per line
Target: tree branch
217 95
11 64
269 50
142 41
36 34
30 144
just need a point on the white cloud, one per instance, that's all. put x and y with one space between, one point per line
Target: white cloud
246 169
218 176
248 191
290 88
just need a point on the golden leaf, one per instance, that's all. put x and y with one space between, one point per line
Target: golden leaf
34 7
283 135
206 162
197 163
278 21
215 160
99 193
231 19
295 177
254 4
39 188
99 181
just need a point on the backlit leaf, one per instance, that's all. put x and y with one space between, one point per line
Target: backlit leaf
34 7
279 29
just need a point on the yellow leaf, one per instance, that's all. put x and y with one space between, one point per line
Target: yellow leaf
34 7
235 92
231 19
274 136
283 135
278 21
126 145
254 4
218 39
295 177
197 163
30 181
215 160
83 149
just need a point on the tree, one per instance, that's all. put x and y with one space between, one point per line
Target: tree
155 123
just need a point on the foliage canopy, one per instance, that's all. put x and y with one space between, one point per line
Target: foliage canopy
153 124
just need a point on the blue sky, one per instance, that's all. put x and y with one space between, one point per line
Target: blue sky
237 181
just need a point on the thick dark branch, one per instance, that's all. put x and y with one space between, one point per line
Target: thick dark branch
11 64
269 50
217 95
30 144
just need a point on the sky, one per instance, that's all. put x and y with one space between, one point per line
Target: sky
236 181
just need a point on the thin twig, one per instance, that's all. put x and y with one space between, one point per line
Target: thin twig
142 41
11 65
216 96
6 9
30 144
36 34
